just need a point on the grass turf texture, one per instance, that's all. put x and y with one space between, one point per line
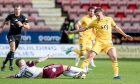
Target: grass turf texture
102 74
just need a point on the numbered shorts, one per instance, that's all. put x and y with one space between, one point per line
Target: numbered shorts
52 71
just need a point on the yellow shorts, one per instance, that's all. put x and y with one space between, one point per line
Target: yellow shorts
85 44
100 46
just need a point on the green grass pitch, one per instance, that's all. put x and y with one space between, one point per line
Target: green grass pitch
102 74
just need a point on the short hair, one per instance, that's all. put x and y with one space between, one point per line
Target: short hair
98 9
91 8
17 61
16 5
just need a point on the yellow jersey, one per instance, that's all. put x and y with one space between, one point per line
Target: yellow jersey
85 21
103 29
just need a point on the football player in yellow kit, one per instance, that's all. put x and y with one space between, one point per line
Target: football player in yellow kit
103 40
86 38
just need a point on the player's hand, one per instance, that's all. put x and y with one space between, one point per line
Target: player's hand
19 23
69 32
129 37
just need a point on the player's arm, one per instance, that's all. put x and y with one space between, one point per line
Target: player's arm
25 23
42 59
78 26
4 23
11 76
119 30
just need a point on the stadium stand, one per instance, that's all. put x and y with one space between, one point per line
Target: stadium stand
125 12
50 14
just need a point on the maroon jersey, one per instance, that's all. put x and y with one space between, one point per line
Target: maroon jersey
52 70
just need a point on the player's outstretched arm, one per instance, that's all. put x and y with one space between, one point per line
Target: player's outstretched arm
11 76
2 25
76 31
119 30
42 59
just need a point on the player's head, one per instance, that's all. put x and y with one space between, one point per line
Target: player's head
98 12
17 9
91 11
20 62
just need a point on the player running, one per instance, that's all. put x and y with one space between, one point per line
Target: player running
86 38
17 22
103 42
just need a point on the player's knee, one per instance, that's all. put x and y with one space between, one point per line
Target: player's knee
113 57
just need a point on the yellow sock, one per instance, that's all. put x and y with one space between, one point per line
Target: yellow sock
115 68
85 63
77 51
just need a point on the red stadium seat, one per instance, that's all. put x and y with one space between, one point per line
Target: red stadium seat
104 5
85 4
132 5
94 3
120 14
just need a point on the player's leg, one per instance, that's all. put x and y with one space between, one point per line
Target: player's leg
9 56
95 50
112 54
89 47
89 57
74 71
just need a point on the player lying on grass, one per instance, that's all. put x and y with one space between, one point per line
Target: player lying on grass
29 70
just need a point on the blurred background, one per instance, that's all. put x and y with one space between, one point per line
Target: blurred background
49 18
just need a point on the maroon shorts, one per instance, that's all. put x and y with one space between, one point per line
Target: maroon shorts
52 70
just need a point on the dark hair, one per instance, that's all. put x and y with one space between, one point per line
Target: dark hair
17 61
98 10
90 8
16 5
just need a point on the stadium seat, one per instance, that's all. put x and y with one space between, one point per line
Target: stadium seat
137 13
122 4
8 3
75 3
104 5
129 13
40 21
27 3
120 14
110 12
135 22
33 12
113 4
81 11
66 7
132 5
85 4
118 21
5 12
94 3
66 2
126 21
